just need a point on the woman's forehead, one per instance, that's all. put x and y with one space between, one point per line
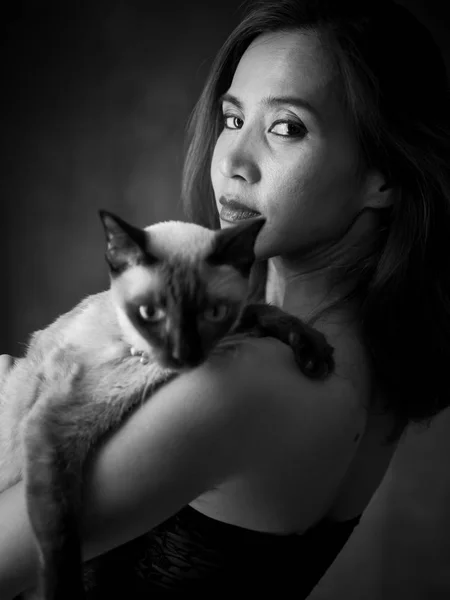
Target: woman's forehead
288 62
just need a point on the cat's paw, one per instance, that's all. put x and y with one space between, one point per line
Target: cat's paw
143 356
312 353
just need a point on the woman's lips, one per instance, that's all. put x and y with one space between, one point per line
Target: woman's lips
233 210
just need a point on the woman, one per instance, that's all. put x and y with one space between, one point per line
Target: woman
250 476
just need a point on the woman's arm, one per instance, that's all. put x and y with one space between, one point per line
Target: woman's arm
192 434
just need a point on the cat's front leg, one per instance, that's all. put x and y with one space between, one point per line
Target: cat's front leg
312 352
53 486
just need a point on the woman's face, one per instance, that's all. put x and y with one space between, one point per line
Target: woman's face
286 150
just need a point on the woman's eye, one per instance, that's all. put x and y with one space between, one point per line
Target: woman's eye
218 312
232 122
288 129
151 314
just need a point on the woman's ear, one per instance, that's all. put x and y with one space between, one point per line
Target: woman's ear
379 191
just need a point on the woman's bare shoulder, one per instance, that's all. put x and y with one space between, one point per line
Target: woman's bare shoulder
268 365
263 376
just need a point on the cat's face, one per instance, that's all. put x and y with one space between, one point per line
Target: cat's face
179 288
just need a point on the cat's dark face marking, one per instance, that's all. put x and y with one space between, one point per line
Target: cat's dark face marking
181 288
183 316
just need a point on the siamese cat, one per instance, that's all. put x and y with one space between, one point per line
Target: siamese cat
178 294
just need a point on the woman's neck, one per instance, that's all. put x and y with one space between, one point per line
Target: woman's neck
305 286
301 293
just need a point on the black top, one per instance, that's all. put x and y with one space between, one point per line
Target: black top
192 553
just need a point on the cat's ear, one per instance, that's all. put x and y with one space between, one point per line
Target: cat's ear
235 245
126 244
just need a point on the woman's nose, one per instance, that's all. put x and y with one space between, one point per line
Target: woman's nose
239 161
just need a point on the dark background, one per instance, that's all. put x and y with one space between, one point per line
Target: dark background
95 99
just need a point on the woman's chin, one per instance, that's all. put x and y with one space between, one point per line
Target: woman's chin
262 250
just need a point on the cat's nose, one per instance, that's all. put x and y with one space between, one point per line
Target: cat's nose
184 363
177 354
186 356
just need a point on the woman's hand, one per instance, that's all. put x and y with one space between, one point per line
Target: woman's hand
6 363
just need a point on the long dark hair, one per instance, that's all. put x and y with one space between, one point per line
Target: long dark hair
394 84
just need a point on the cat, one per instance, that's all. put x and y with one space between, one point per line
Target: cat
178 293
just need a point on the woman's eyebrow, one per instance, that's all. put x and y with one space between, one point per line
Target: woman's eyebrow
271 101
227 97
292 100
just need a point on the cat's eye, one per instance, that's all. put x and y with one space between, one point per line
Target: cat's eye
217 312
151 314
